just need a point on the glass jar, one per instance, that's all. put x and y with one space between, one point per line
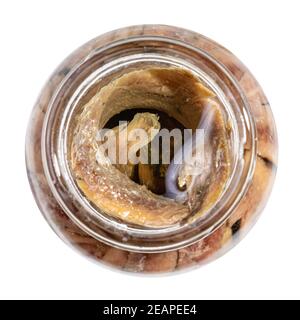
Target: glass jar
148 249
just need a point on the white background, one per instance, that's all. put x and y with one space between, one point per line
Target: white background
36 36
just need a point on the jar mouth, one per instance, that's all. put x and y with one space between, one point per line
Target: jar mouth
103 65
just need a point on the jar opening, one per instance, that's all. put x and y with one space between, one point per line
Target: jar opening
99 75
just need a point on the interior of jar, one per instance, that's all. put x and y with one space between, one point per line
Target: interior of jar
179 99
150 175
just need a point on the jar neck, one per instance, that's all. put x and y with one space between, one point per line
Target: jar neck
100 67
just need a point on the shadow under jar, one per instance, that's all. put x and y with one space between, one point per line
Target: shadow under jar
142 217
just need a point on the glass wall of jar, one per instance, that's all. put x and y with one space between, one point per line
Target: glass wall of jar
127 219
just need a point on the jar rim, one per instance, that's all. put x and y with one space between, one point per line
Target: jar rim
56 171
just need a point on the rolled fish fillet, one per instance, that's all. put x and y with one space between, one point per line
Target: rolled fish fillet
109 186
